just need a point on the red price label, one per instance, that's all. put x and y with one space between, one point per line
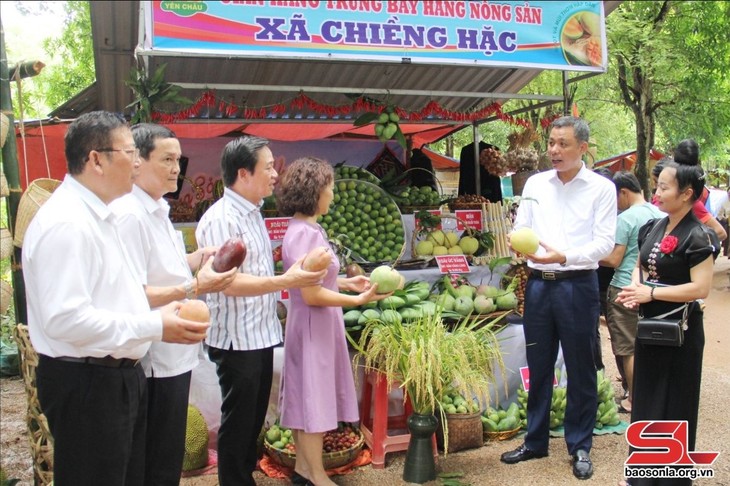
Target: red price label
472 217
436 212
525 376
453 264
276 227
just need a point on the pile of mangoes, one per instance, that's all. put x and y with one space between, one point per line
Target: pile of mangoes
404 305
366 220
351 172
501 420
453 402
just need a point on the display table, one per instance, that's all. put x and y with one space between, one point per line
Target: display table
205 392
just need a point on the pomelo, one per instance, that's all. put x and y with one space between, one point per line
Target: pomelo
451 239
469 245
525 241
388 279
424 248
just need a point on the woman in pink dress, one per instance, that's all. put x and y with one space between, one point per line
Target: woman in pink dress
317 388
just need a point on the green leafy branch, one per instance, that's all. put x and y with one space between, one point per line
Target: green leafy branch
149 92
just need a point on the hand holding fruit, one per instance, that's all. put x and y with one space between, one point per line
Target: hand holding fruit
551 255
371 295
185 323
296 277
208 280
359 283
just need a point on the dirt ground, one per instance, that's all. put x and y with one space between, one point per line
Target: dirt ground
481 467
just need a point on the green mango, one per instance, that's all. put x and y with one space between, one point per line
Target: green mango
509 423
490 426
513 409
412 299
409 313
390 316
392 302
367 315
352 317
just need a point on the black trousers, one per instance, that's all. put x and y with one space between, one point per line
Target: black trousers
561 312
167 413
245 379
97 416
667 383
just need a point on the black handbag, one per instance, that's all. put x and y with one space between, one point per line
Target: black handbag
659 331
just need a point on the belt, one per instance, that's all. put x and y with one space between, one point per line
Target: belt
106 361
558 275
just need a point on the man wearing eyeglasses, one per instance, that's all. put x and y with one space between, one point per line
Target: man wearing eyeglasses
88 315
158 255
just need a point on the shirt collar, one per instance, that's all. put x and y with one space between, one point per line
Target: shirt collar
582 174
93 201
243 204
149 204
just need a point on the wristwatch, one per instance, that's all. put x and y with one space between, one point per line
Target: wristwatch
189 289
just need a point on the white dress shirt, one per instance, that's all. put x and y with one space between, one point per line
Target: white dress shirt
577 218
84 299
158 255
246 323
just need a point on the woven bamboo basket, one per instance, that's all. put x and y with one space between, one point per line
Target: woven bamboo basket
33 198
6 296
39 435
414 237
4 187
331 460
4 128
6 243
465 431
503 435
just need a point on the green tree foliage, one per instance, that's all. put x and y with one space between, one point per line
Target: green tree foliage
69 59
671 62
65 80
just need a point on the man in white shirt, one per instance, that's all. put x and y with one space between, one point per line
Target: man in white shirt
244 327
88 316
158 255
573 211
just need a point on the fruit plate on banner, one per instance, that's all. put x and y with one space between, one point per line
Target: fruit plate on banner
366 220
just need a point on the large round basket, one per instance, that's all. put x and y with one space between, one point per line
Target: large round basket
331 460
4 128
33 198
6 243
465 431
4 188
6 296
503 435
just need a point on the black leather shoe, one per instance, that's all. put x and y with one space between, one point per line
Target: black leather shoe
522 453
582 465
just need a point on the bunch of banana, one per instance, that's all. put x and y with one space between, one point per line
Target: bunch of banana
387 124
607 412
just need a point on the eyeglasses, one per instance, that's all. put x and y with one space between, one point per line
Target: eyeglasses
134 153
